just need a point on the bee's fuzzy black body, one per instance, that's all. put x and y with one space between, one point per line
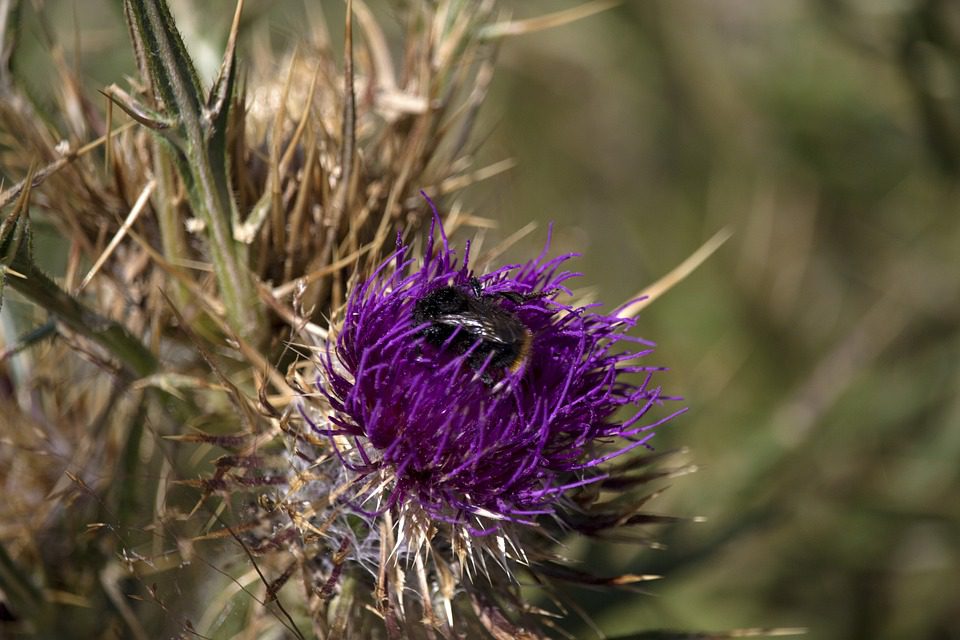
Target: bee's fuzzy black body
476 322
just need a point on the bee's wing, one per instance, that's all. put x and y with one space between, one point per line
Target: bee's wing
487 326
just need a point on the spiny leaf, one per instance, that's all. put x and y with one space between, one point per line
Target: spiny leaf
16 256
44 331
171 69
143 114
218 103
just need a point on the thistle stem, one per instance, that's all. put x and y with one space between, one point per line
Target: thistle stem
195 129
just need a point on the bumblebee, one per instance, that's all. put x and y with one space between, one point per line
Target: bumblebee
476 322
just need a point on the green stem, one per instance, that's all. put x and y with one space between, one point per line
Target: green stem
171 227
198 138
110 335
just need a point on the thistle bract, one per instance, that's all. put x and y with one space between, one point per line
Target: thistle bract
450 427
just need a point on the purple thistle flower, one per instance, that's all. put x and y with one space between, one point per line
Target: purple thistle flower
479 399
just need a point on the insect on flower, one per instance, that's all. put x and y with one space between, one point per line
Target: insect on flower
478 400
477 324
465 416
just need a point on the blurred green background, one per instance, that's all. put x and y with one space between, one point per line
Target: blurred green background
818 351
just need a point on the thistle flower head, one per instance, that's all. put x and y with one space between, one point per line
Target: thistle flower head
463 410
479 399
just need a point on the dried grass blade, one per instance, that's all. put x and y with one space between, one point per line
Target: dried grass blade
138 206
677 275
37 178
549 21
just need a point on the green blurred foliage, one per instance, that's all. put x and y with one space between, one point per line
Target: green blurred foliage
818 351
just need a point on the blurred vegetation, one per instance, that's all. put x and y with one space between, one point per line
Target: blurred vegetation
819 350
